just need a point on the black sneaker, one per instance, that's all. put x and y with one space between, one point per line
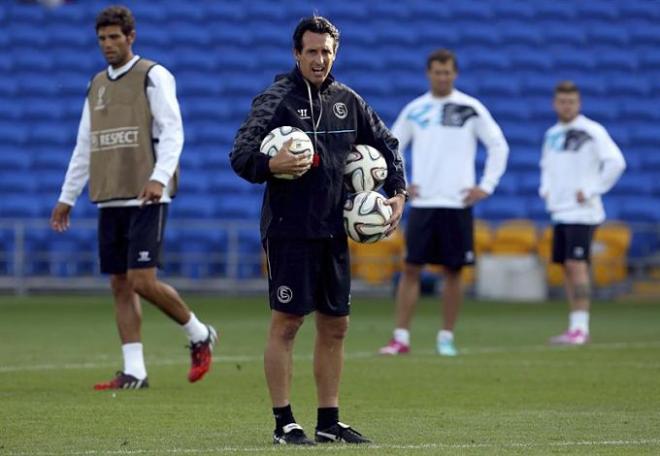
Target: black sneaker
340 432
291 434
122 381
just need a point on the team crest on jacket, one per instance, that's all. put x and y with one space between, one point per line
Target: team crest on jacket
340 110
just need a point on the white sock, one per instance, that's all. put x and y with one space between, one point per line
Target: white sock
134 360
402 336
579 319
195 330
445 336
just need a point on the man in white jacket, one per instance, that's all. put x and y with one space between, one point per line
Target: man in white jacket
580 162
444 126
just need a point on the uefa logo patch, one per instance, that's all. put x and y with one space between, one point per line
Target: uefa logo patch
284 294
340 110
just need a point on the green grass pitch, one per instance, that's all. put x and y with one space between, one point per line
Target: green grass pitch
507 393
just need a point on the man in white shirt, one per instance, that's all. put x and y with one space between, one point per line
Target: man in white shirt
444 126
580 162
129 142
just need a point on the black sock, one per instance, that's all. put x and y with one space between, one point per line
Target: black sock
327 416
283 416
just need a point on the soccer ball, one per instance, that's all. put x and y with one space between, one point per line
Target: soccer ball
365 214
274 141
366 169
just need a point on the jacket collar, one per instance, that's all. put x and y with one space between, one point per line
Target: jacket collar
296 76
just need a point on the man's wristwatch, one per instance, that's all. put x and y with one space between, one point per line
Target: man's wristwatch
402 191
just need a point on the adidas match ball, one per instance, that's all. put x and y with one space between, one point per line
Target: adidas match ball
366 169
365 214
276 138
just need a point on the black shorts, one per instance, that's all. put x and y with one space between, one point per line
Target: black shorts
131 237
572 242
305 275
440 236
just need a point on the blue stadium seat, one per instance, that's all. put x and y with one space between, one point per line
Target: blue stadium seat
530 181
14 159
629 84
192 206
651 159
499 84
399 11
193 58
634 184
193 35
49 183
486 60
528 58
72 14
191 164
49 158
20 205
508 184
147 15
267 11
8 87
518 134
28 35
608 33
641 109
17 182
620 134
563 11
13 133
639 9
31 60
197 83
429 32
621 59
470 10
645 135
153 34
184 11
10 109
40 109
52 133
644 243
520 10
214 158
645 33
527 159
24 13
32 84
509 109
250 250
568 58
87 61
641 209
480 34
74 38
238 207
650 59
366 85
193 181
597 10
535 208
226 13
360 59
390 31
601 108
497 208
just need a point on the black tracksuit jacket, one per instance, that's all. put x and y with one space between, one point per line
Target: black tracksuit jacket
311 207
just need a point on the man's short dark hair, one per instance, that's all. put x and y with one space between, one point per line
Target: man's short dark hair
116 15
442 56
315 24
566 87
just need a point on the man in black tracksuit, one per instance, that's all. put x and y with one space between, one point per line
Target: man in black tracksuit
302 219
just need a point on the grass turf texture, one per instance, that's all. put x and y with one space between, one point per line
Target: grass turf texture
507 393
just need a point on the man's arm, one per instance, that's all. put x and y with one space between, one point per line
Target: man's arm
490 134
373 132
167 131
246 159
613 164
77 173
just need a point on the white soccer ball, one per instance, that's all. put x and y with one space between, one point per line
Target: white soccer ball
366 169
276 138
365 214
